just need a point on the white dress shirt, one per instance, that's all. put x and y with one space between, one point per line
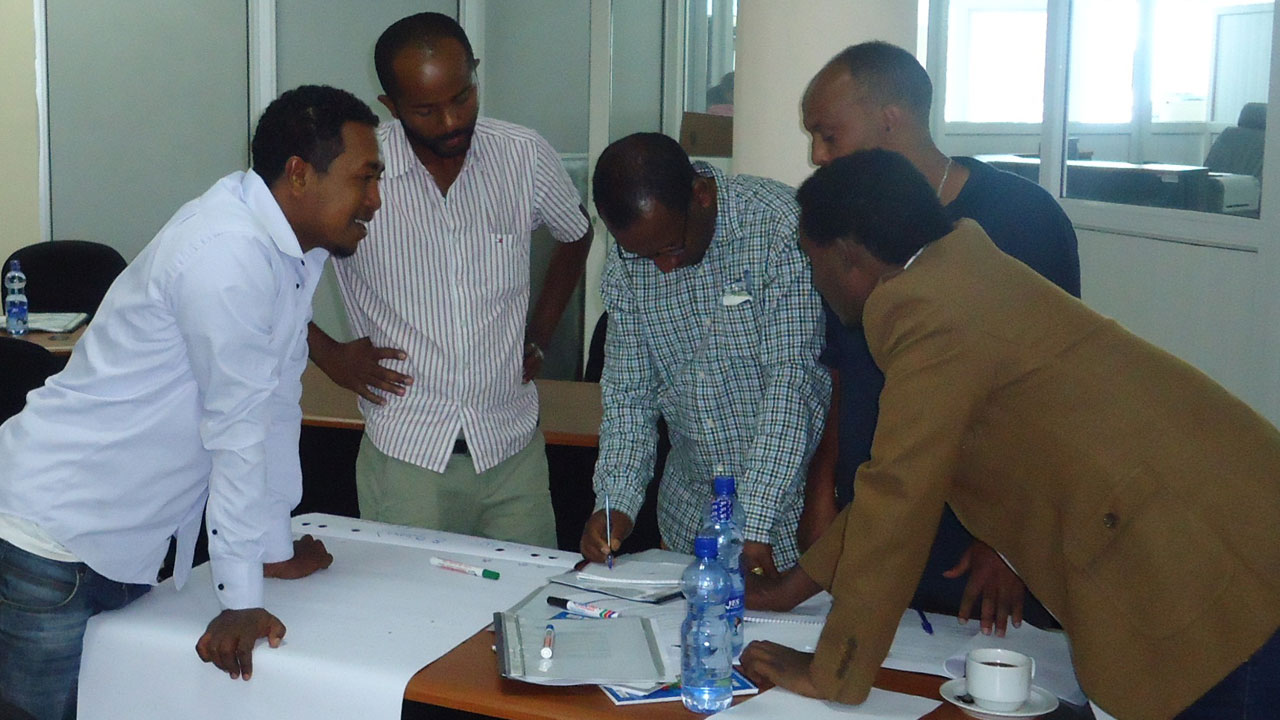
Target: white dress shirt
184 387
445 278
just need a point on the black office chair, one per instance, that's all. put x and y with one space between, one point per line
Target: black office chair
67 275
1238 150
26 367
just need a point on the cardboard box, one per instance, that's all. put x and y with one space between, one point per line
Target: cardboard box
703 135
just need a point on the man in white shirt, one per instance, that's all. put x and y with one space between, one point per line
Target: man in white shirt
184 390
438 296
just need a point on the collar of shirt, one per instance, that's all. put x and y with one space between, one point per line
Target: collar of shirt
258 197
400 158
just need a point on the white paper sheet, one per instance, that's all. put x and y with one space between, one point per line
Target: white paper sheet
356 632
880 705
943 652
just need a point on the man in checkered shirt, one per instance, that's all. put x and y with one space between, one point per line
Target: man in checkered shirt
714 326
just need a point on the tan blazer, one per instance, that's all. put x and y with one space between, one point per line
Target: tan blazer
1137 498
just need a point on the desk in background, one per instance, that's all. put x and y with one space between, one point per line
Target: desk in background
60 344
1186 187
569 411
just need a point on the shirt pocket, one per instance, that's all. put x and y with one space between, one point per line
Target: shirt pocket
1141 551
507 257
736 336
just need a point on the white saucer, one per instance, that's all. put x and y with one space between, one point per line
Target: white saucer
1040 702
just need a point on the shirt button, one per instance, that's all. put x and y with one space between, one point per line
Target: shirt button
221 586
213 531
297 286
1110 520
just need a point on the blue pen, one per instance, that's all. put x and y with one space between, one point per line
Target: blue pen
608 530
924 622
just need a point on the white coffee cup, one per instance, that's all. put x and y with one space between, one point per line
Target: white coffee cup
998 679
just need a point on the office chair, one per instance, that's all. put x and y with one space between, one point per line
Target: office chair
67 275
26 367
1238 150
1234 185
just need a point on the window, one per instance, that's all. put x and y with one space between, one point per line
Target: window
1165 100
982 85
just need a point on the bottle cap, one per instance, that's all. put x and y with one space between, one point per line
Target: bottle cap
704 546
723 483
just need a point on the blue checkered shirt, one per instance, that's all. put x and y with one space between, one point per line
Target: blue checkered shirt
738 384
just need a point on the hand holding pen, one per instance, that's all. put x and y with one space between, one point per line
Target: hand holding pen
604 533
608 530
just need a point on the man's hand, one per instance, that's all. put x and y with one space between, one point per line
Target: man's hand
309 556
780 593
229 639
357 366
1000 588
533 358
780 665
757 559
594 546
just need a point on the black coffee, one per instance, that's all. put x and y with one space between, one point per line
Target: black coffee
997 663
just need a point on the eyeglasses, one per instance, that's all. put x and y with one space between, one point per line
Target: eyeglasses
668 251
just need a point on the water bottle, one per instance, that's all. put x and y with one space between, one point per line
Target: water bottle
725 524
15 299
706 659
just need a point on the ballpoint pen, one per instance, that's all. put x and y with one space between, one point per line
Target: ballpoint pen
608 530
924 622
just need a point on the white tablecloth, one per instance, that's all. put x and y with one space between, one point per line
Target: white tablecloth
356 632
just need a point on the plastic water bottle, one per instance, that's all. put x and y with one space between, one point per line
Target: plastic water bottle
725 524
706 659
15 300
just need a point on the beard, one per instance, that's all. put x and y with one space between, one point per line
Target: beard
439 145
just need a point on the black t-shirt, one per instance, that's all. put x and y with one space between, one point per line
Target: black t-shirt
1024 221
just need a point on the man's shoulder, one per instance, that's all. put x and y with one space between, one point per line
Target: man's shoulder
755 193
990 186
503 132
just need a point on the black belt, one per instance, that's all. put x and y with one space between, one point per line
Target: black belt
460 447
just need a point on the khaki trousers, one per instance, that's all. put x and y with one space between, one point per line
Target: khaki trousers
509 501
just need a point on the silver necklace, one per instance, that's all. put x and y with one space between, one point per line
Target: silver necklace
946 171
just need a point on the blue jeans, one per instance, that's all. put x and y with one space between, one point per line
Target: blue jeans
44 608
1250 692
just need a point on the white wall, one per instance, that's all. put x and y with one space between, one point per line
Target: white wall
1198 302
147 108
535 68
19 129
780 46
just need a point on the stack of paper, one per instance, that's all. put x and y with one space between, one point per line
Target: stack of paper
943 651
652 576
56 322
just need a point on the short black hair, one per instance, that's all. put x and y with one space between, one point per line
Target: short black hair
422 32
640 168
875 198
306 121
891 73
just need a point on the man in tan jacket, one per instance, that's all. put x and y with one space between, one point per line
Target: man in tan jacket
1138 499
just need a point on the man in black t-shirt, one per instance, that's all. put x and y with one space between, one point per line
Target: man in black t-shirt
876 95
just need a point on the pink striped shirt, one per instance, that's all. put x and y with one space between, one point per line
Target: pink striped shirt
446 279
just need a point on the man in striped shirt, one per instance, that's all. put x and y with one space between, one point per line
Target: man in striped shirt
714 325
439 295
